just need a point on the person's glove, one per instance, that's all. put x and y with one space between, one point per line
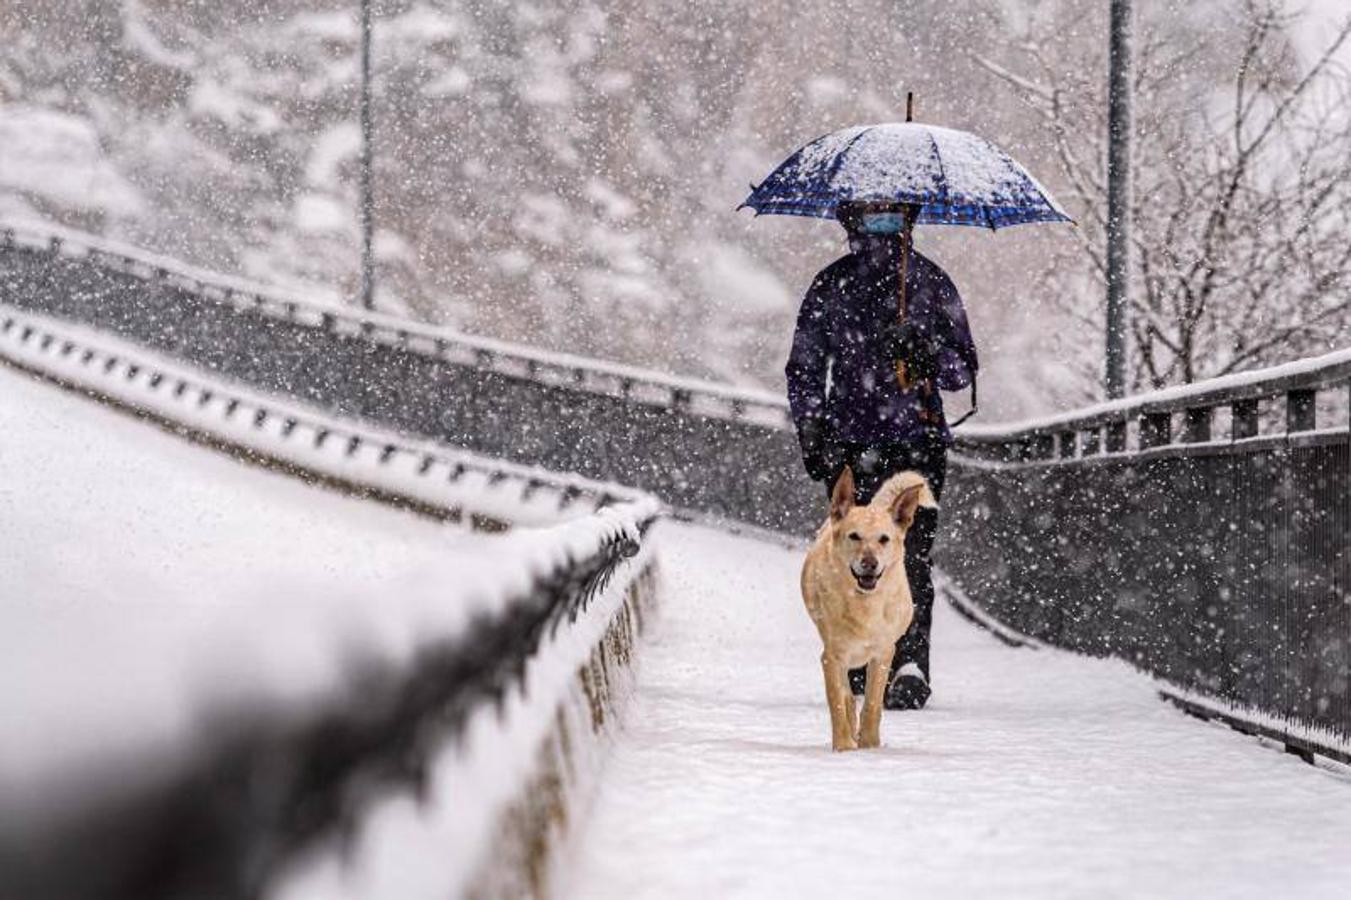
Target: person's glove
819 451
912 345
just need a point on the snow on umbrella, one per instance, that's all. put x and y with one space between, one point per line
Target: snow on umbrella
931 175
945 176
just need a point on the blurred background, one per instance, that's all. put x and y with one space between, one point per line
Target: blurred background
565 174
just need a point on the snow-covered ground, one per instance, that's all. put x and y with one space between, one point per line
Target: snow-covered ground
1031 774
138 572
149 586
142 577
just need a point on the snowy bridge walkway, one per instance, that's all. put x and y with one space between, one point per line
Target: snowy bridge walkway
1031 774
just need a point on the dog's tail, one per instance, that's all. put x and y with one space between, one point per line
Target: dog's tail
901 482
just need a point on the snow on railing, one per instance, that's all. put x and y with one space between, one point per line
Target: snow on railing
359 458
467 694
464 695
686 442
554 369
1292 399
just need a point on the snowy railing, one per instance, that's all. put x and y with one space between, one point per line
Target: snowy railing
467 700
1282 404
340 453
691 443
1202 533
480 699
632 384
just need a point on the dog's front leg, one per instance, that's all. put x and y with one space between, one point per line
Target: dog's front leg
870 729
838 699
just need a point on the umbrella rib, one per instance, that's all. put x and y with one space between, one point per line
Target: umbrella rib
1047 202
1051 204
942 174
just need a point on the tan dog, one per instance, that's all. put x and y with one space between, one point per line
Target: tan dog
857 593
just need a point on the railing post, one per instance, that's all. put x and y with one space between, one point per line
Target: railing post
1244 414
1196 425
1300 410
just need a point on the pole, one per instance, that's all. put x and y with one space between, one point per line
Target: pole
367 212
1118 196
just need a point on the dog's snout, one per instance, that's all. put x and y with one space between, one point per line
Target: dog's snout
868 564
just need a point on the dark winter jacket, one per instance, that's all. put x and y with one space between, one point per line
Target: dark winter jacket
841 373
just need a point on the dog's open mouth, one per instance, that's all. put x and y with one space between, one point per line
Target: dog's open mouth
867 582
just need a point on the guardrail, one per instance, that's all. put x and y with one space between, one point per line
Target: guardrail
342 454
1276 403
244 808
558 369
259 787
701 447
1202 533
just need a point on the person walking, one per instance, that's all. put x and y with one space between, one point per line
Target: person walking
850 407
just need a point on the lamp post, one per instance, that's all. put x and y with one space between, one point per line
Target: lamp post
367 216
1118 196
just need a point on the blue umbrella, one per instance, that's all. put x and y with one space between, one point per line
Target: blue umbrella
930 175
938 175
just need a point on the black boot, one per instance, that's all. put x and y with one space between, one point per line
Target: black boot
909 689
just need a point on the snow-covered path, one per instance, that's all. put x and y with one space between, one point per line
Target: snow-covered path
141 575
1031 774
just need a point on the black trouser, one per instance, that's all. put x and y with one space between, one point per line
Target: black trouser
872 466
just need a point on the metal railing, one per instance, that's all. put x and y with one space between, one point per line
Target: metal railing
627 382
265 786
261 785
699 446
1201 533
342 454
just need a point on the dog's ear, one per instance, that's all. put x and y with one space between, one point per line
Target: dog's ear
842 497
907 501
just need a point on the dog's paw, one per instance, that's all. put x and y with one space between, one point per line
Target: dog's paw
869 741
840 745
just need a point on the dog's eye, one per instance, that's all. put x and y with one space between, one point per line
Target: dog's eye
884 539
855 536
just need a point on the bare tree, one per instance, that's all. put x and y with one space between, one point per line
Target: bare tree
1242 198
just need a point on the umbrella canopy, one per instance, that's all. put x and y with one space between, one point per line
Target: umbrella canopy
952 177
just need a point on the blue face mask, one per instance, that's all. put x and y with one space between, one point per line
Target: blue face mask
881 223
